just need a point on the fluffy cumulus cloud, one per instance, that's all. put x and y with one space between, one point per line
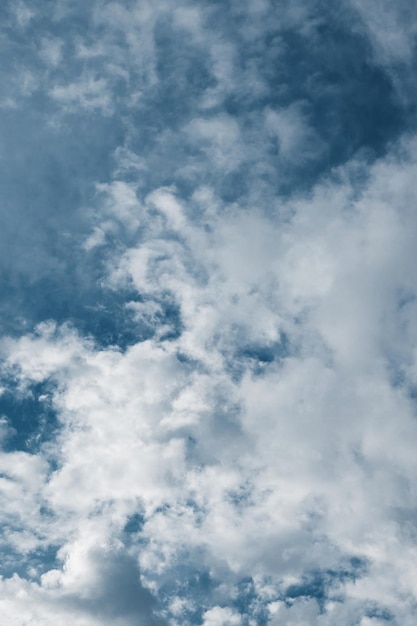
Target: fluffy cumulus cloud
208 341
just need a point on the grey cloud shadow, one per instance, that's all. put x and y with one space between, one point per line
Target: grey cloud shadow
117 594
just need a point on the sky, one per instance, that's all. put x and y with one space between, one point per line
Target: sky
208 336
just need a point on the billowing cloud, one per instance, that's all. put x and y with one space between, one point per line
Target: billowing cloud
209 364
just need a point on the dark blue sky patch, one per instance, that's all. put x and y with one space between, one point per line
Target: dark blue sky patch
319 584
98 313
46 177
248 603
184 74
241 497
42 560
348 101
170 316
110 323
198 586
314 587
32 565
134 524
267 353
258 357
351 102
73 293
31 415
191 450
380 613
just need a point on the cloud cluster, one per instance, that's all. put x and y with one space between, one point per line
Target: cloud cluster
209 371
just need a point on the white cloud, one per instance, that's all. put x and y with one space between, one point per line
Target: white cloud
220 137
122 204
297 141
265 429
221 617
313 456
391 27
89 93
23 14
51 51
310 428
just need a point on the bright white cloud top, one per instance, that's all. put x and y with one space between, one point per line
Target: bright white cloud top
208 327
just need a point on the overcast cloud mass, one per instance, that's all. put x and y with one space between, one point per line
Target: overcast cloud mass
208 313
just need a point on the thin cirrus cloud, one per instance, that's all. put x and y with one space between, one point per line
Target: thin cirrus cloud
209 364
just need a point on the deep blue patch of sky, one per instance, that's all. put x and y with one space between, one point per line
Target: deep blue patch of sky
30 416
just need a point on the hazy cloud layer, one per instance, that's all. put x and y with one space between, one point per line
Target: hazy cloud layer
209 348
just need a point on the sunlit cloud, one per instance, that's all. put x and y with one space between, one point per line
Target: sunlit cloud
208 338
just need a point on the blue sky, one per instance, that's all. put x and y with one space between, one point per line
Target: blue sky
208 339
